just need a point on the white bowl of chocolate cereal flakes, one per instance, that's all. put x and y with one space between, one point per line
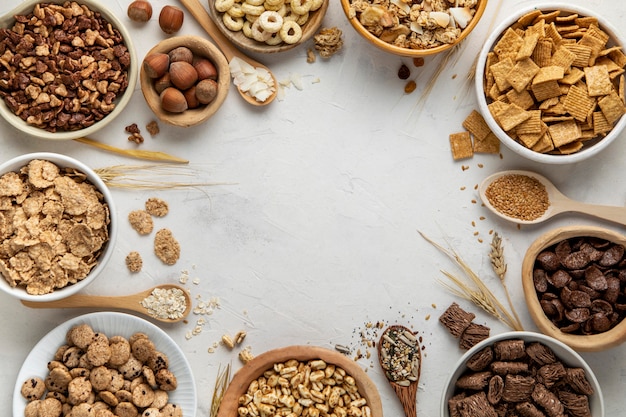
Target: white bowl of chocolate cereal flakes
68 68
57 225
521 373
550 83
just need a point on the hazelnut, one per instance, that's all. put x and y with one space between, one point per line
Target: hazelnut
139 11
204 68
206 91
171 19
162 83
182 53
173 100
156 64
183 74
190 96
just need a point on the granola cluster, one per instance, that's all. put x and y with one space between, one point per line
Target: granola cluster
62 66
53 227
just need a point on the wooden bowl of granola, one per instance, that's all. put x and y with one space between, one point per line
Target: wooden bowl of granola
323 365
412 36
572 95
537 364
74 205
572 284
53 110
279 28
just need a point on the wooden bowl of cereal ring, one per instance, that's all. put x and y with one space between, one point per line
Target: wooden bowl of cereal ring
268 26
414 30
74 205
51 109
574 281
329 371
564 105
528 372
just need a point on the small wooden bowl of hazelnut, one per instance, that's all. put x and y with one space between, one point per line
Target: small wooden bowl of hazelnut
185 80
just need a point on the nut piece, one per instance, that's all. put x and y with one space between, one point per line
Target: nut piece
182 74
139 11
156 64
204 68
181 53
206 91
171 19
173 100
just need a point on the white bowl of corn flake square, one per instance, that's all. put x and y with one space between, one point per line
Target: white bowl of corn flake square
550 83
57 226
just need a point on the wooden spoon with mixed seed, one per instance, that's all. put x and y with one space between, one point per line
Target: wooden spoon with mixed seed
400 357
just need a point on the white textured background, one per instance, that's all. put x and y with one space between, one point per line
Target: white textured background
315 233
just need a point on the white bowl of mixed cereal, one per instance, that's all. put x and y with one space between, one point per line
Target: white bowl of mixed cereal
413 31
529 372
163 382
268 26
52 92
58 226
549 83
316 368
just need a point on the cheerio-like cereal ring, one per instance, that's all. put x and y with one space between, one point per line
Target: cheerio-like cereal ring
301 6
291 32
251 9
271 21
274 39
247 29
258 33
254 2
274 2
274 8
236 10
223 5
316 4
232 23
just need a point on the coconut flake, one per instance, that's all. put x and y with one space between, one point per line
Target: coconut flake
415 27
461 15
442 18
256 82
402 6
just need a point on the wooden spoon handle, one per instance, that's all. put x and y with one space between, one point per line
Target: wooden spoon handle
611 213
407 395
81 300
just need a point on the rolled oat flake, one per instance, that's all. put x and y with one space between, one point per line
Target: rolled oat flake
165 303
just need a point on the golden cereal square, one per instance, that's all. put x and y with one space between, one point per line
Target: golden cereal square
508 45
542 55
563 57
620 88
529 139
511 116
553 34
500 70
522 99
617 56
528 18
538 28
476 125
570 148
528 46
549 17
522 74
598 80
612 107
566 18
616 73
550 73
595 39
491 144
461 145
600 124
611 66
564 132
582 54
544 145
566 30
532 125
578 103
546 90
586 21
571 78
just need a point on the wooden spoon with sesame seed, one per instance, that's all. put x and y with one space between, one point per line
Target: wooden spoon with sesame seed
400 357
131 302
523 201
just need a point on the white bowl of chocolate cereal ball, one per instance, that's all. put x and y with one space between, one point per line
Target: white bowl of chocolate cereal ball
574 280
309 368
526 373
548 83
77 78
268 26
58 226
184 80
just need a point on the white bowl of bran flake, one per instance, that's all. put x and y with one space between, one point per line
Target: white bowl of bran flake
550 83
57 223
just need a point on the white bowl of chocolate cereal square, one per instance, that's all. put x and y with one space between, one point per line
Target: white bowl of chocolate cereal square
58 225
525 373
549 82
69 68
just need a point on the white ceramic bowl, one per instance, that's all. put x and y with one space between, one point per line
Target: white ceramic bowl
567 355
121 101
13 165
587 151
111 324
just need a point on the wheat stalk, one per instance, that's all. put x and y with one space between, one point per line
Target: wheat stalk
476 290
145 177
496 255
221 383
134 153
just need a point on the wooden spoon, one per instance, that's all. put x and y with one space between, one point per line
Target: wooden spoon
394 343
228 49
559 203
126 302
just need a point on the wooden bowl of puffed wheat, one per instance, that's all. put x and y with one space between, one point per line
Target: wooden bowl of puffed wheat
407 34
291 361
